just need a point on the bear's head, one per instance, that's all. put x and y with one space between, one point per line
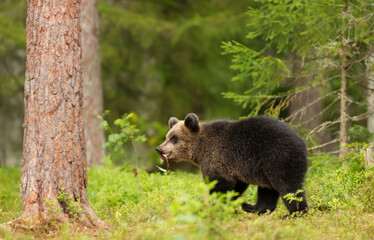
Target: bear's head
181 139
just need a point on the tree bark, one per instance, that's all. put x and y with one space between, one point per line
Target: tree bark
54 153
92 89
370 87
343 137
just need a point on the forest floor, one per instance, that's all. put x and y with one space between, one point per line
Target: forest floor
176 205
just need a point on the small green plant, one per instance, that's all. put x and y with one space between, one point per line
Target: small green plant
54 211
206 213
128 132
72 207
290 197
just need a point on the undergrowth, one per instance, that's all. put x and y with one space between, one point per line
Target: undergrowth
177 205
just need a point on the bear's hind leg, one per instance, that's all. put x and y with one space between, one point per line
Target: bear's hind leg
240 187
267 200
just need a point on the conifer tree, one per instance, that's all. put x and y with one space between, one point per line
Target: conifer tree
54 166
331 37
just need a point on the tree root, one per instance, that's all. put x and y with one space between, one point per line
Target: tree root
86 221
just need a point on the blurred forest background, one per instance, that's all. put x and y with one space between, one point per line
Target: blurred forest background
216 58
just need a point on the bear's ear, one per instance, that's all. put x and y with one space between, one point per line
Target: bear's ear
192 122
172 121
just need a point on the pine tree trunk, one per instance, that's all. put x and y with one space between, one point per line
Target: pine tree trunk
343 137
93 96
54 157
370 86
343 106
305 107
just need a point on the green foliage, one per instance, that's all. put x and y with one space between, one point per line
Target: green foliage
177 205
304 33
169 55
360 134
290 197
343 186
266 73
10 199
127 132
54 212
12 46
12 70
159 58
72 207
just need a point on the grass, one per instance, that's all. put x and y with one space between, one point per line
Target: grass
177 205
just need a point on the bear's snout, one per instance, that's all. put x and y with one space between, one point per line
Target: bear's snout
158 150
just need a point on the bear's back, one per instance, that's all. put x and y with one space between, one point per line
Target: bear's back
262 141
264 132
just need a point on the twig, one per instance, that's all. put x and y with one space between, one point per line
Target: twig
323 145
324 125
323 111
303 109
137 167
362 116
324 153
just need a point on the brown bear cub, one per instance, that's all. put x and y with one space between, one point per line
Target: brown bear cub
259 150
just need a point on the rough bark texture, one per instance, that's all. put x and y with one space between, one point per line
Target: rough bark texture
370 86
343 137
368 155
54 157
93 96
343 106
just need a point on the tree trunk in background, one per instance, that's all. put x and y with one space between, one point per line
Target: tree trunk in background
54 154
343 136
310 116
343 105
370 86
93 94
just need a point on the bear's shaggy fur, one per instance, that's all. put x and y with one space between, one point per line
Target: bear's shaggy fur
259 150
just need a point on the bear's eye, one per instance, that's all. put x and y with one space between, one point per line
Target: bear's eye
174 139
